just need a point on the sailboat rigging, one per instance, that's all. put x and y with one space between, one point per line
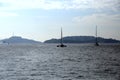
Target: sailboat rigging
96 41
61 40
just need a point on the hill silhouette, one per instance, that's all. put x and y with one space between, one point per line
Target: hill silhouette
82 39
18 39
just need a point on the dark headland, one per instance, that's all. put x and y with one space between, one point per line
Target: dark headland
82 39
17 39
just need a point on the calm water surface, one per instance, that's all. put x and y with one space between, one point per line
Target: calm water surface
48 62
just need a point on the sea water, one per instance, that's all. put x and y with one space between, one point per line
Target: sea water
48 62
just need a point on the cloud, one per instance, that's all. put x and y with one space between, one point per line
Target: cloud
6 14
30 4
108 25
98 19
61 4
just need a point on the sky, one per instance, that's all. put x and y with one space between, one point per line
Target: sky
42 19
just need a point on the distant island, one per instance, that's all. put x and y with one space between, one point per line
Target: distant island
68 39
82 39
17 39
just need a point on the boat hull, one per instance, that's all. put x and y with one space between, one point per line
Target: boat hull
61 45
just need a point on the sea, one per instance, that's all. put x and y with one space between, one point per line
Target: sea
48 62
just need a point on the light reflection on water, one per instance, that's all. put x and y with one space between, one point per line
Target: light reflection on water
48 62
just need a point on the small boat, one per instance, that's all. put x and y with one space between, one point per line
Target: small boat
61 41
61 45
96 44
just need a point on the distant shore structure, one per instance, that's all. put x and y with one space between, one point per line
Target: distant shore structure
61 40
96 39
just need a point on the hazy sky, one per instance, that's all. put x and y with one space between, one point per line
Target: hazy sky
42 19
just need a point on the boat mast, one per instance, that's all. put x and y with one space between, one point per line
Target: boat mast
13 34
61 40
61 36
96 35
96 43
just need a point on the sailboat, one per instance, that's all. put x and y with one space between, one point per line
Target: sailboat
61 41
96 40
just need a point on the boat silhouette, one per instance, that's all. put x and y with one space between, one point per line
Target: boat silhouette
61 41
96 39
